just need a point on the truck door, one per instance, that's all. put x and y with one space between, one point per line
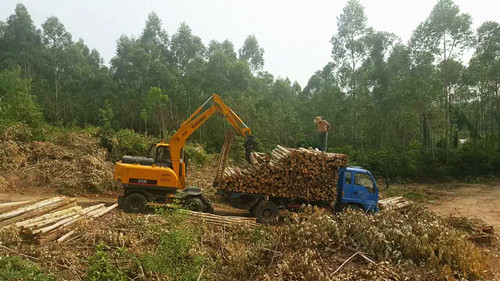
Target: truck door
350 191
358 191
365 187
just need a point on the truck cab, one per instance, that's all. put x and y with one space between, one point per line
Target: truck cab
356 189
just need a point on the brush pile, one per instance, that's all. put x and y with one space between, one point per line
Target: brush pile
72 162
293 173
48 220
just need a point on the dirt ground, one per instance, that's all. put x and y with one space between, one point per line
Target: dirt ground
471 200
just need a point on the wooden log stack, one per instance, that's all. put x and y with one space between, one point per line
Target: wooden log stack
50 219
290 173
398 202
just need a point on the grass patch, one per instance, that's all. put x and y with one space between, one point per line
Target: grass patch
15 268
413 193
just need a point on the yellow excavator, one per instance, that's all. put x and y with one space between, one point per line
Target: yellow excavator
162 178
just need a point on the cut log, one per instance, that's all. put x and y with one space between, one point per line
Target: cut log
39 212
49 218
65 236
28 208
105 211
12 205
67 221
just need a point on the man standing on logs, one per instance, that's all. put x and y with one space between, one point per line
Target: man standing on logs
323 128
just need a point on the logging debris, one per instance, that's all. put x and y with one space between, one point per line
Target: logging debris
48 220
287 172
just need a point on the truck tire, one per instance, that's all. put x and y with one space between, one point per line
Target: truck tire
266 212
193 204
135 203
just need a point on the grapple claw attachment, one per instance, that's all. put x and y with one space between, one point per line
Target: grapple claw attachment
250 145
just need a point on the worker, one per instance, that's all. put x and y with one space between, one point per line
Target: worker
323 128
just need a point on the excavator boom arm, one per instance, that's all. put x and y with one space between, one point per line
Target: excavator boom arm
197 119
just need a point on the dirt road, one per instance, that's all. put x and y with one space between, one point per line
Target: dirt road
471 200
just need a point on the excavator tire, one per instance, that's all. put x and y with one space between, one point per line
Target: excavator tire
135 203
193 204
266 212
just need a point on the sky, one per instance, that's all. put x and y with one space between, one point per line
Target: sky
295 35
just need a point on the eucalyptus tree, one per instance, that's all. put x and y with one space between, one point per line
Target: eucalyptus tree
57 42
252 53
447 34
349 53
20 43
484 67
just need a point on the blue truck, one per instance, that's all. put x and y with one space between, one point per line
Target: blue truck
356 189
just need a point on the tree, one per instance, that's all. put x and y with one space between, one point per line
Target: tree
20 42
57 40
485 72
252 53
447 34
16 103
156 102
348 53
186 48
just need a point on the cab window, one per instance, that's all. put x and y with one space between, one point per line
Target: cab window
163 156
348 178
364 180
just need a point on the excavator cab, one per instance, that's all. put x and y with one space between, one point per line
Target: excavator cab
162 156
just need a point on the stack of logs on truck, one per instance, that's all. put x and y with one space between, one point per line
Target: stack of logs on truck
301 173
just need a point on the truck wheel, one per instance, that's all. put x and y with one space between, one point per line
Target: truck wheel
266 212
194 204
135 203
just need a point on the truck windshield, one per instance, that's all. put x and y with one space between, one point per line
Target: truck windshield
364 180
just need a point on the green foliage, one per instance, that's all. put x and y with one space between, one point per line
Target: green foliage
195 153
106 117
15 268
173 256
127 142
16 102
100 267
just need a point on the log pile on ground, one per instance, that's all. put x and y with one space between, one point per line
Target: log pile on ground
217 220
398 202
295 173
48 220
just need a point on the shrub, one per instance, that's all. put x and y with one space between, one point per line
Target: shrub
174 256
101 269
195 153
15 268
127 142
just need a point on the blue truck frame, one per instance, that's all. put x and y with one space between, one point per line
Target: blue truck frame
350 194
